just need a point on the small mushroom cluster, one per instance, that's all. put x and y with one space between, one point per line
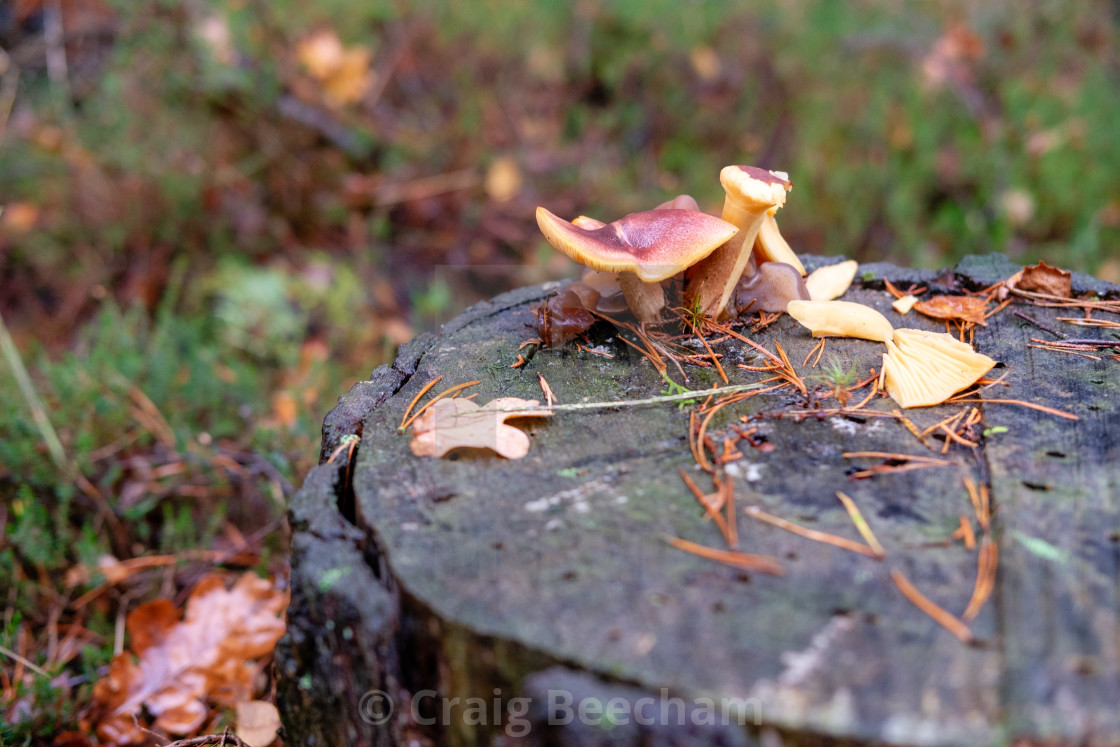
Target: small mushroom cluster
727 264
733 264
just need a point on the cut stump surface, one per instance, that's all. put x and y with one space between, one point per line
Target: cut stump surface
478 577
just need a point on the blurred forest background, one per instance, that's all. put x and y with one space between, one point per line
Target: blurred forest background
219 214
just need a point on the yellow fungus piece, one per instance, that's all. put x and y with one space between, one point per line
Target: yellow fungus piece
827 283
841 319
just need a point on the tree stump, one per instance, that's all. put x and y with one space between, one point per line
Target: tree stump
474 600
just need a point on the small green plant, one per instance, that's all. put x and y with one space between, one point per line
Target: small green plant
693 315
673 388
838 378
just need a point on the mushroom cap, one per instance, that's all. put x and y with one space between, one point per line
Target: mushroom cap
754 188
654 245
841 319
926 368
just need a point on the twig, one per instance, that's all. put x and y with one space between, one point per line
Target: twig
225 738
1040 325
25 662
636 402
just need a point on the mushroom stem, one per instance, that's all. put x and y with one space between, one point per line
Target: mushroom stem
646 300
750 193
771 246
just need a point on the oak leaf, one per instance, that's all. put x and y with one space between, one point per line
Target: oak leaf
178 665
460 423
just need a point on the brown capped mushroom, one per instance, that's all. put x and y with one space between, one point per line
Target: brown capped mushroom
680 202
749 193
644 248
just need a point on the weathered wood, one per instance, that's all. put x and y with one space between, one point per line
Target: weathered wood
474 576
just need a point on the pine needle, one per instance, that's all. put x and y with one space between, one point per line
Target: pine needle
943 618
861 525
987 561
813 534
741 560
421 393
437 398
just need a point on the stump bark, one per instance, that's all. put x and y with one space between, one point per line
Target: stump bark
474 597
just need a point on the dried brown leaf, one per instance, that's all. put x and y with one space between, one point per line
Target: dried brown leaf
177 666
1042 278
955 308
458 423
257 722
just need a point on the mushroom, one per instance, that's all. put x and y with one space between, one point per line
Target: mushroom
644 248
750 193
680 202
772 286
841 319
831 281
926 368
771 246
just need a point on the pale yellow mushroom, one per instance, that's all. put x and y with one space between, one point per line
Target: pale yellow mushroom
926 368
749 193
831 281
841 319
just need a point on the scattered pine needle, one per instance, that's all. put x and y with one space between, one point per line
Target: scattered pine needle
741 560
981 504
1090 322
942 617
987 561
712 510
728 488
899 457
433 400
1021 403
920 435
964 532
593 351
549 397
416 399
862 525
813 534
818 349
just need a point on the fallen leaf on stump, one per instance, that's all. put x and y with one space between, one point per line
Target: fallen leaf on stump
1042 278
955 308
177 665
257 722
459 423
